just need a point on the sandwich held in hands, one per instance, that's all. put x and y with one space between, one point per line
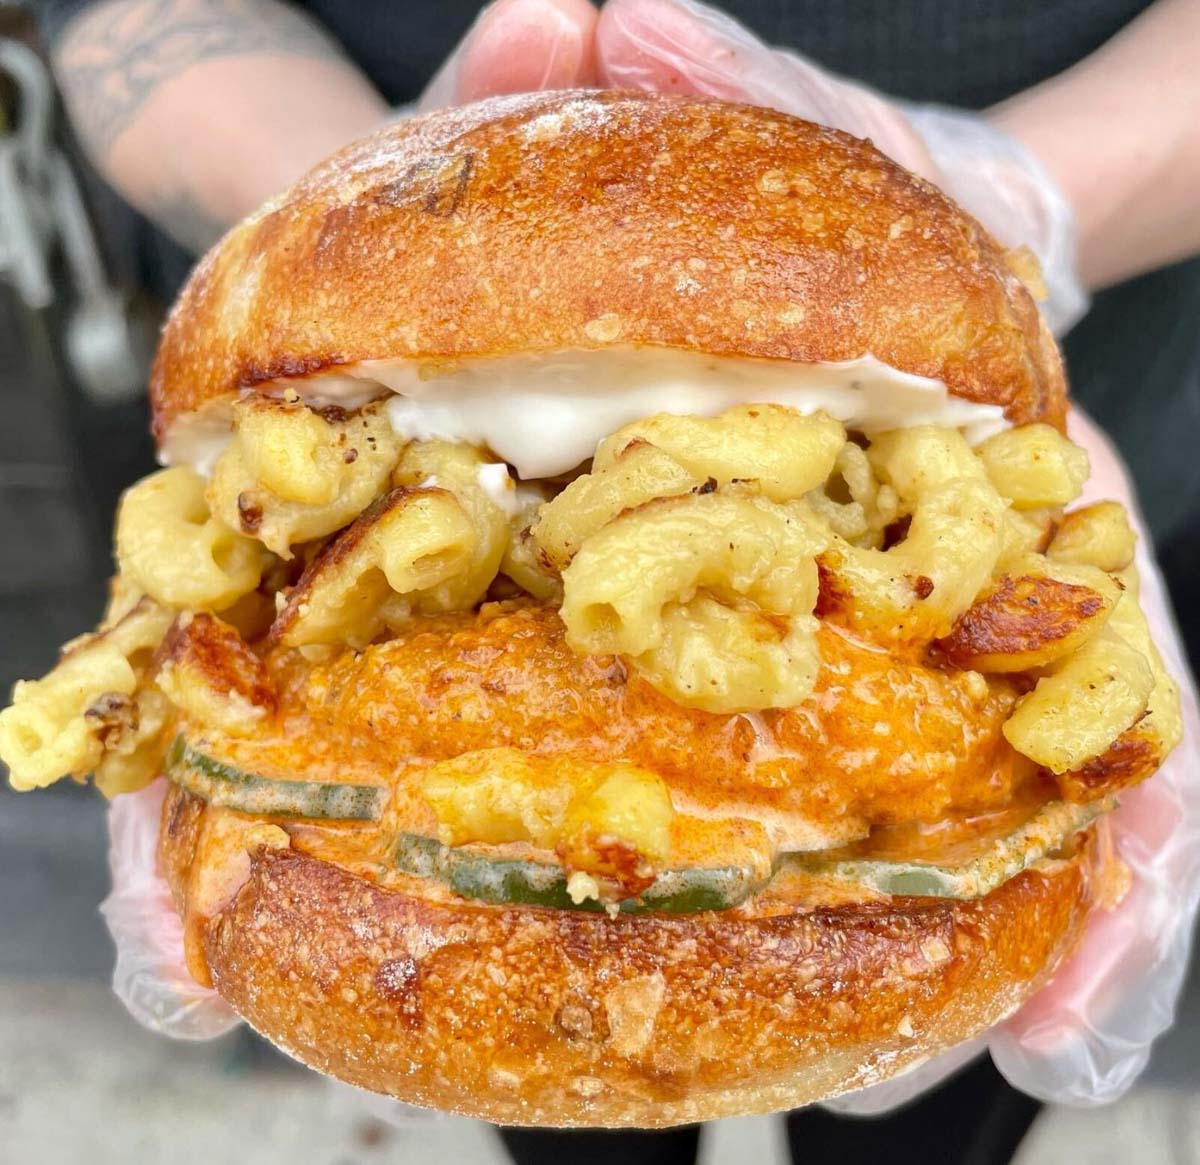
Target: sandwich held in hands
614 622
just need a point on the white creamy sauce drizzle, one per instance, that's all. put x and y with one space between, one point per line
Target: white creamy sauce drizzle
199 438
544 414
495 481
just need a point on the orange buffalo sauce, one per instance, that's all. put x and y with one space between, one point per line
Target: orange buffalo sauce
881 741
890 759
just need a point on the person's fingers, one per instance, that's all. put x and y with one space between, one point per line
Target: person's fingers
1085 1037
1119 949
518 46
681 46
1109 477
525 45
150 976
666 47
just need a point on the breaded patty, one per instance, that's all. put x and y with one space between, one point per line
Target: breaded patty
880 742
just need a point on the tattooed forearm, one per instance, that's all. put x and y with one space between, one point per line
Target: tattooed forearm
197 110
113 57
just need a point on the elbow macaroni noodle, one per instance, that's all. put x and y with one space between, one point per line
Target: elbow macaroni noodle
1163 714
706 550
62 724
696 549
870 506
455 469
1096 535
1034 466
521 561
785 453
413 544
639 474
171 546
918 587
1083 705
290 475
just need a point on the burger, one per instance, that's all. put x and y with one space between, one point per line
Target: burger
616 623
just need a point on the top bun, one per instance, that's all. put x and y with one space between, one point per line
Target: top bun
597 219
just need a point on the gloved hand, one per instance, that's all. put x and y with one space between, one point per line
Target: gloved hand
1086 1037
150 976
518 46
680 46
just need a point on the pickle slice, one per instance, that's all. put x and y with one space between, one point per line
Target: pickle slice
228 787
1044 833
519 882
485 877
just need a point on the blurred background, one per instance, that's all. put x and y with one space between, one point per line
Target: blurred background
78 321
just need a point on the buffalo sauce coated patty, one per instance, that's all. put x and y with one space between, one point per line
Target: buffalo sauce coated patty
879 741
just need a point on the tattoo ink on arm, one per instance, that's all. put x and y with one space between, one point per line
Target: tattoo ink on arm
112 58
115 55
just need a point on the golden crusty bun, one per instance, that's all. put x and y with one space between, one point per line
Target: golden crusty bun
551 1017
587 220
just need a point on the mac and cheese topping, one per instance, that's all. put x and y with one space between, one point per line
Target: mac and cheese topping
209 673
88 707
610 821
171 546
291 474
707 557
711 595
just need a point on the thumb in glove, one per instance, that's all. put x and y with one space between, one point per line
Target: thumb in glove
681 46
150 977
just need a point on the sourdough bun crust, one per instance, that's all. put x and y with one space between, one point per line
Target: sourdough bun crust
590 220
546 1017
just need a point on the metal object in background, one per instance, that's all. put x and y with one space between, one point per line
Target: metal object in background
25 229
40 209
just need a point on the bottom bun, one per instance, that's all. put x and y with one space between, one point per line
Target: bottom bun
540 1017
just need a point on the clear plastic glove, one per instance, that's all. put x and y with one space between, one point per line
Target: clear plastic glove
518 46
1087 1036
679 46
150 976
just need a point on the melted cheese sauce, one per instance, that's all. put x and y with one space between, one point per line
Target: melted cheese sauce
545 413
197 440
